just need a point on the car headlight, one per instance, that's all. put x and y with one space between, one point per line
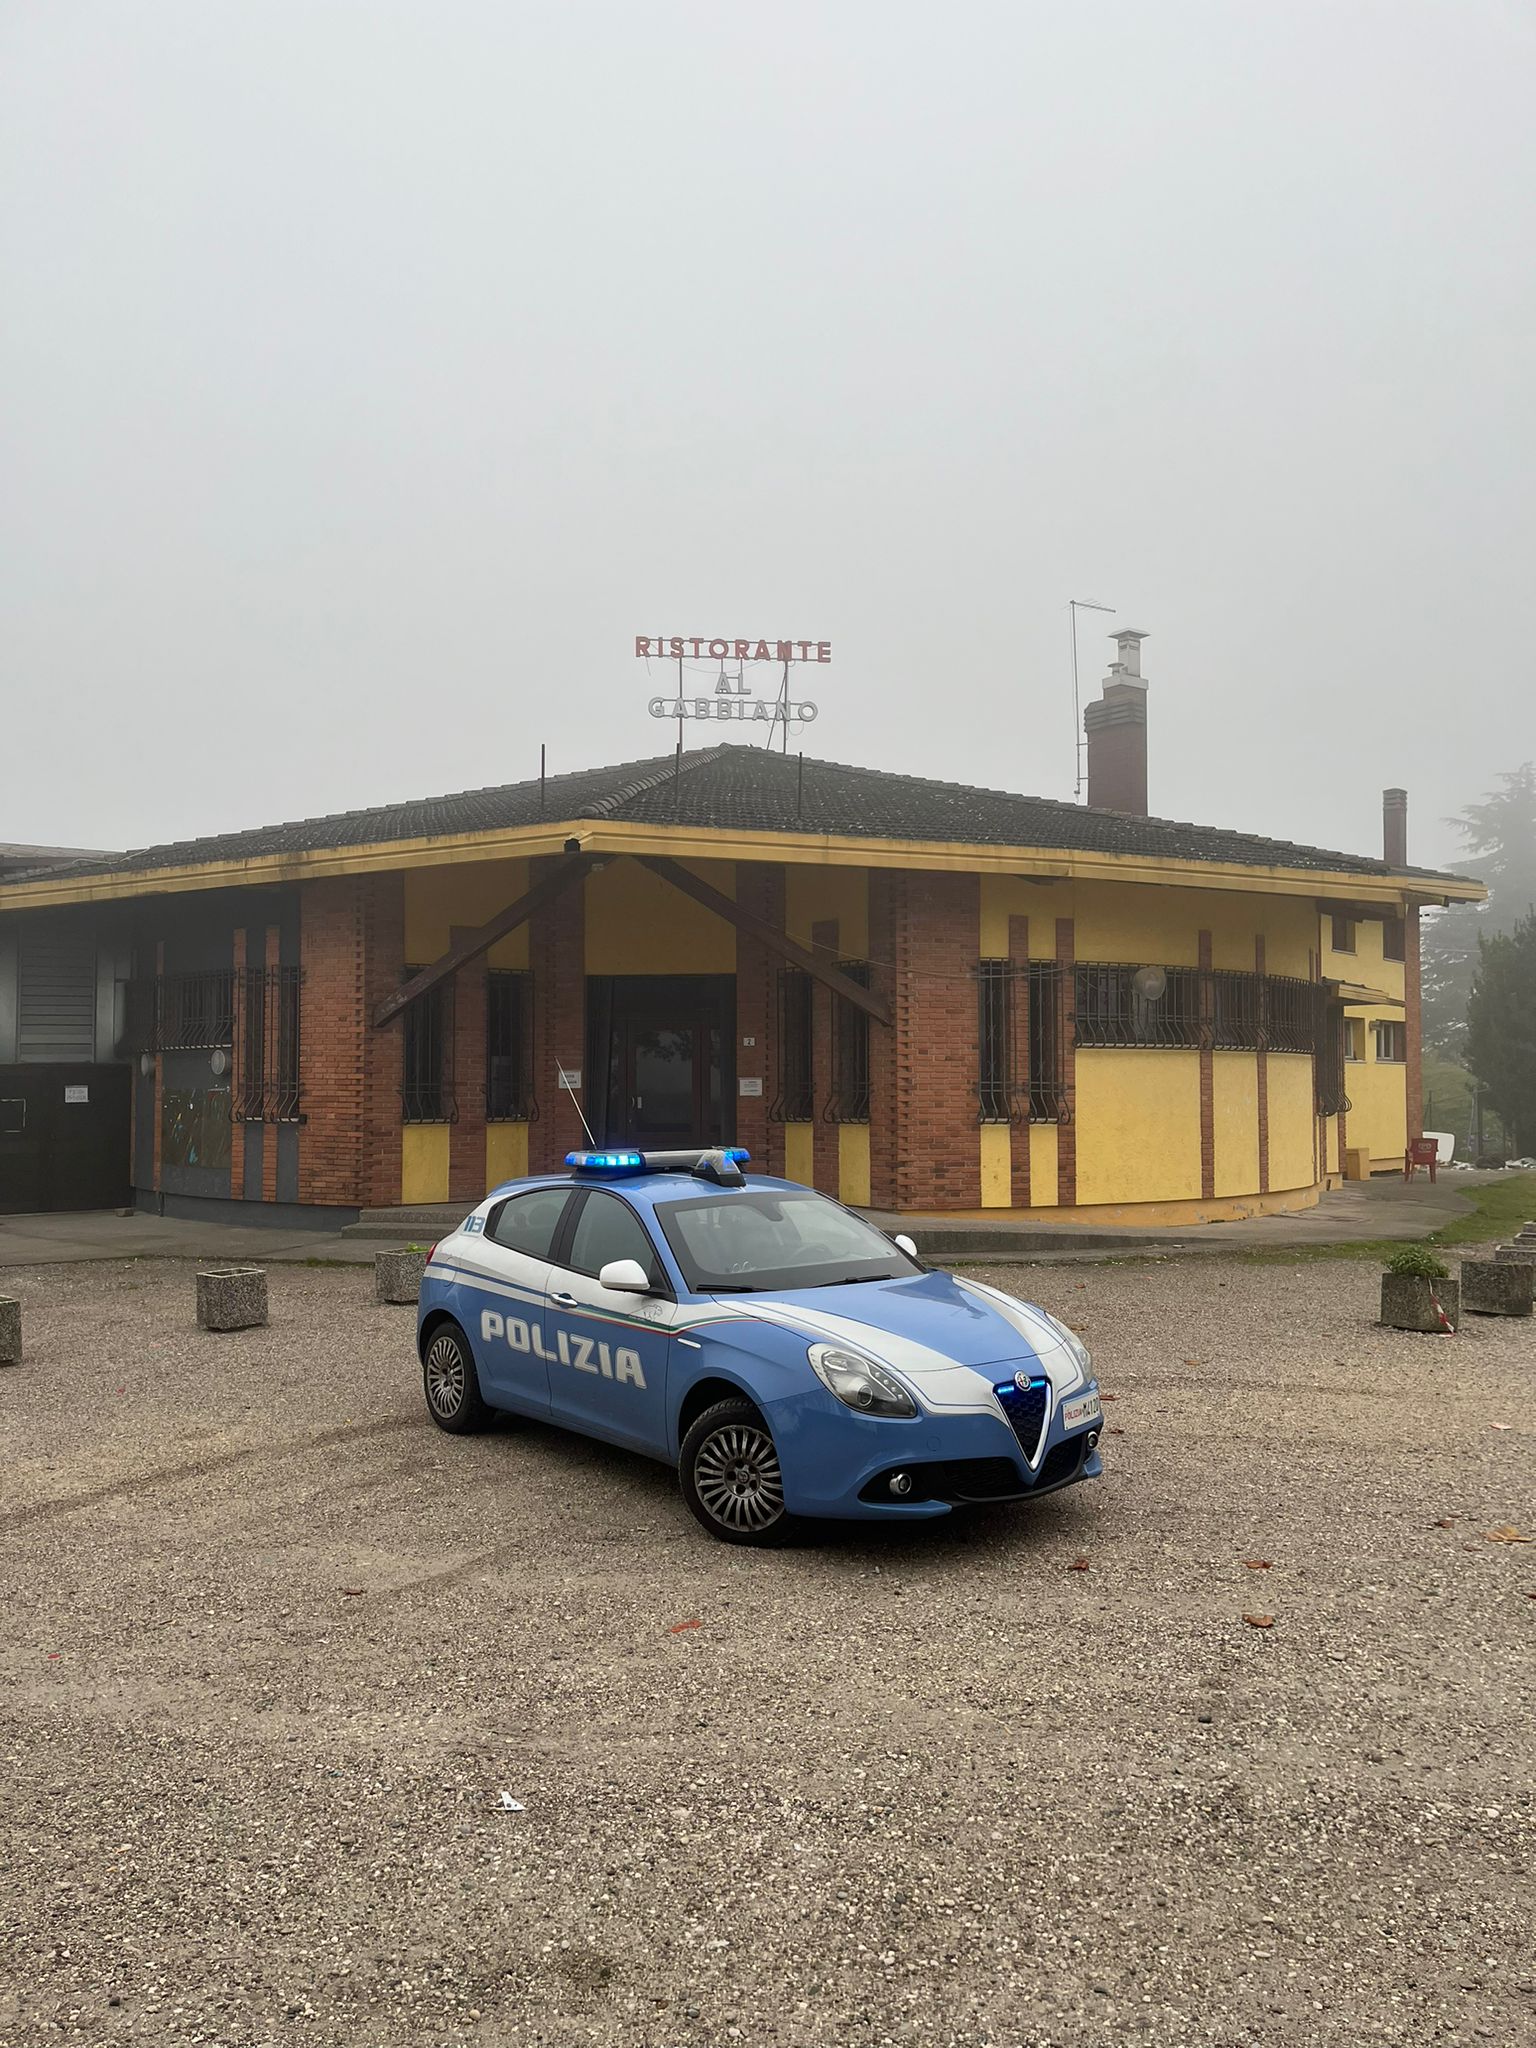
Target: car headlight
1082 1356
858 1382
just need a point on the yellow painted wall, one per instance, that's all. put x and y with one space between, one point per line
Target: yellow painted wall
1140 925
436 899
506 1153
1291 1119
1378 1101
853 1164
639 924
1042 1165
997 1142
1367 964
799 1155
813 894
1138 1126
1235 1100
423 1163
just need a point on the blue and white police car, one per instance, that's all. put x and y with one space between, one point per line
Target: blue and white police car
785 1355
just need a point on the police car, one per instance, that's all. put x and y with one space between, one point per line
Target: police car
785 1355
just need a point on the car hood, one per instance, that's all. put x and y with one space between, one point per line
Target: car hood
923 1325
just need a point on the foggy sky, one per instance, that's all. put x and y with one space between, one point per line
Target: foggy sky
372 373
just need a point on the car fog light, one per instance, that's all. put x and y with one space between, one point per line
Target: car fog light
1093 1437
901 1482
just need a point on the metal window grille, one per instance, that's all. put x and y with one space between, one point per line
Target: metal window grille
509 1048
1393 939
194 1012
1047 988
794 1101
849 1100
1328 1057
1111 1012
1236 1011
426 1090
1290 1013
996 1101
266 1076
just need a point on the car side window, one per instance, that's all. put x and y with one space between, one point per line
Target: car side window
527 1223
609 1229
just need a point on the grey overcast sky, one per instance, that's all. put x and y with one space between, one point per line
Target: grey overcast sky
373 372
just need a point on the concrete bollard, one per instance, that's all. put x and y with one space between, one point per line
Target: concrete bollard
1490 1287
10 1330
1522 1252
1410 1302
397 1276
231 1298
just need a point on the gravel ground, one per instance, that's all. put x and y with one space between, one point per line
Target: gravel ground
273 1649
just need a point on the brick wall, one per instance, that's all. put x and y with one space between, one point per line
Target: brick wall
557 953
1413 1022
351 948
935 926
466 1136
756 993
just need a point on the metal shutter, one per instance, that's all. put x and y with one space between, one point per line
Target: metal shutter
56 1010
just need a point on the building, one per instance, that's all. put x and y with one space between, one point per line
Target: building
916 995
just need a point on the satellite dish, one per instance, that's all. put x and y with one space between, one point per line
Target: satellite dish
1150 983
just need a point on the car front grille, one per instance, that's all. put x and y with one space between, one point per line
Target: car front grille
1026 1409
949 1479
1061 1462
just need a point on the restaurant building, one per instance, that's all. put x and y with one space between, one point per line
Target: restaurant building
915 995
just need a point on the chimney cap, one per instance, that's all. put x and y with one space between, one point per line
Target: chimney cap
1130 633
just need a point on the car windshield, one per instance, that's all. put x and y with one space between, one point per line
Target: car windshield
762 1240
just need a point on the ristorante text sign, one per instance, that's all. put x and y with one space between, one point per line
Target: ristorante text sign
696 649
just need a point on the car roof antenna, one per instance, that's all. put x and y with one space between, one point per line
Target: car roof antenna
570 1082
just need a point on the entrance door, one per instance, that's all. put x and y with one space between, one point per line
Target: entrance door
665 1047
63 1138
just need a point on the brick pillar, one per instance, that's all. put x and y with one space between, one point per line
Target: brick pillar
884 1074
937 929
237 1070
1207 1073
824 1138
755 991
1413 1021
770 907
1261 1059
466 1136
1066 1130
557 952
1018 1136
159 1063
272 954
351 949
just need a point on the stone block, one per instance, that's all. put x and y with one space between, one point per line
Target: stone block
10 1330
397 1276
1408 1303
1519 1253
1491 1287
232 1297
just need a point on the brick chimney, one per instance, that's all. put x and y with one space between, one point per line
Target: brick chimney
1116 727
1394 827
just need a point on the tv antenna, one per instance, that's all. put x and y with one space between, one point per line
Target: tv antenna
1074 606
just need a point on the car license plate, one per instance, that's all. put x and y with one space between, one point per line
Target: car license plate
1081 1409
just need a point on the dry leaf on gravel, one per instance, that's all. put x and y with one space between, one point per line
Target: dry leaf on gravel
1078 1564
1191 1361
1259 1564
349 1591
1505 1534
1259 1620
1446 1522
678 1627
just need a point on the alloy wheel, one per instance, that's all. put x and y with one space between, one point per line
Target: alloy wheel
445 1376
737 1478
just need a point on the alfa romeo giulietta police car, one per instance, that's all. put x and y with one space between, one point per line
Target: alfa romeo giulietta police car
789 1358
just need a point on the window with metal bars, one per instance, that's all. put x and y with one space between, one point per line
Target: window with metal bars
793 1102
1290 1013
1047 987
1236 1010
849 1100
426 1083
1328 1058
1111 1011
266 1077
195 1011
996 1101
509 1048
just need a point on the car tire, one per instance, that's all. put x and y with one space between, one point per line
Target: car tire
451 1384
729 1470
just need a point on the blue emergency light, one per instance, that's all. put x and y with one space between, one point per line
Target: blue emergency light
606 1162
707 1161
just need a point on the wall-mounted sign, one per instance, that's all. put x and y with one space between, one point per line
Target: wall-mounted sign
76 1091
750 1084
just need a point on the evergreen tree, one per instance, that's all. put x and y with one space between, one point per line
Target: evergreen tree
1500 833
1501 1027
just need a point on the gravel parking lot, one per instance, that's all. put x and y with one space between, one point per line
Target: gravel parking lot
274 1649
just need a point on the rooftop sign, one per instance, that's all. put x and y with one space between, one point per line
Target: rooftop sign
697 648
731 697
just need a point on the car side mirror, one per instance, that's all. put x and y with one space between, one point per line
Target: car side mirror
905 1244
625 1276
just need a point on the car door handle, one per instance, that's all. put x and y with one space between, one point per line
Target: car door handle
565 1300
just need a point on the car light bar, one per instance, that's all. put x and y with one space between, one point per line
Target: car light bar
708 1160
